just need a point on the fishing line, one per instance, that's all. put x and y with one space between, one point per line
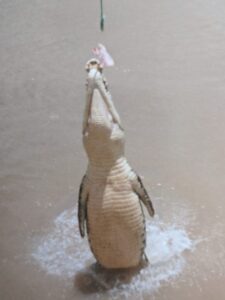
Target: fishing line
102 18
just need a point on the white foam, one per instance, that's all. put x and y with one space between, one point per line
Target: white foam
64 253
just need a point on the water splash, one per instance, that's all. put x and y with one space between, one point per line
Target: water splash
62 252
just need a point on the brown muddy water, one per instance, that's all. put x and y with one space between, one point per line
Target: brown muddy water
168 85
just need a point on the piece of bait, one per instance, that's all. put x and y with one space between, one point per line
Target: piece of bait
103 56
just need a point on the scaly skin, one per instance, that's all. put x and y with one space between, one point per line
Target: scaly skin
111 192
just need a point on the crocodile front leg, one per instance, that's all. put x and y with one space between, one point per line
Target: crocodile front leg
82 205
139 189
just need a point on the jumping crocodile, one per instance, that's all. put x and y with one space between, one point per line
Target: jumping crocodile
111 193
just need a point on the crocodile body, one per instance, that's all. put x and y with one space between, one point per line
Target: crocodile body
111 192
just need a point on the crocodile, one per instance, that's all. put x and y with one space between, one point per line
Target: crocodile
111 193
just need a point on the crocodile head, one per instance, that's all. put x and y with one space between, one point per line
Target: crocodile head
103 136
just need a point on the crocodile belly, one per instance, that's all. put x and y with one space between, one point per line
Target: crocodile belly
116 228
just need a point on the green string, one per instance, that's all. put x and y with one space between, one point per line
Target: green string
101 16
